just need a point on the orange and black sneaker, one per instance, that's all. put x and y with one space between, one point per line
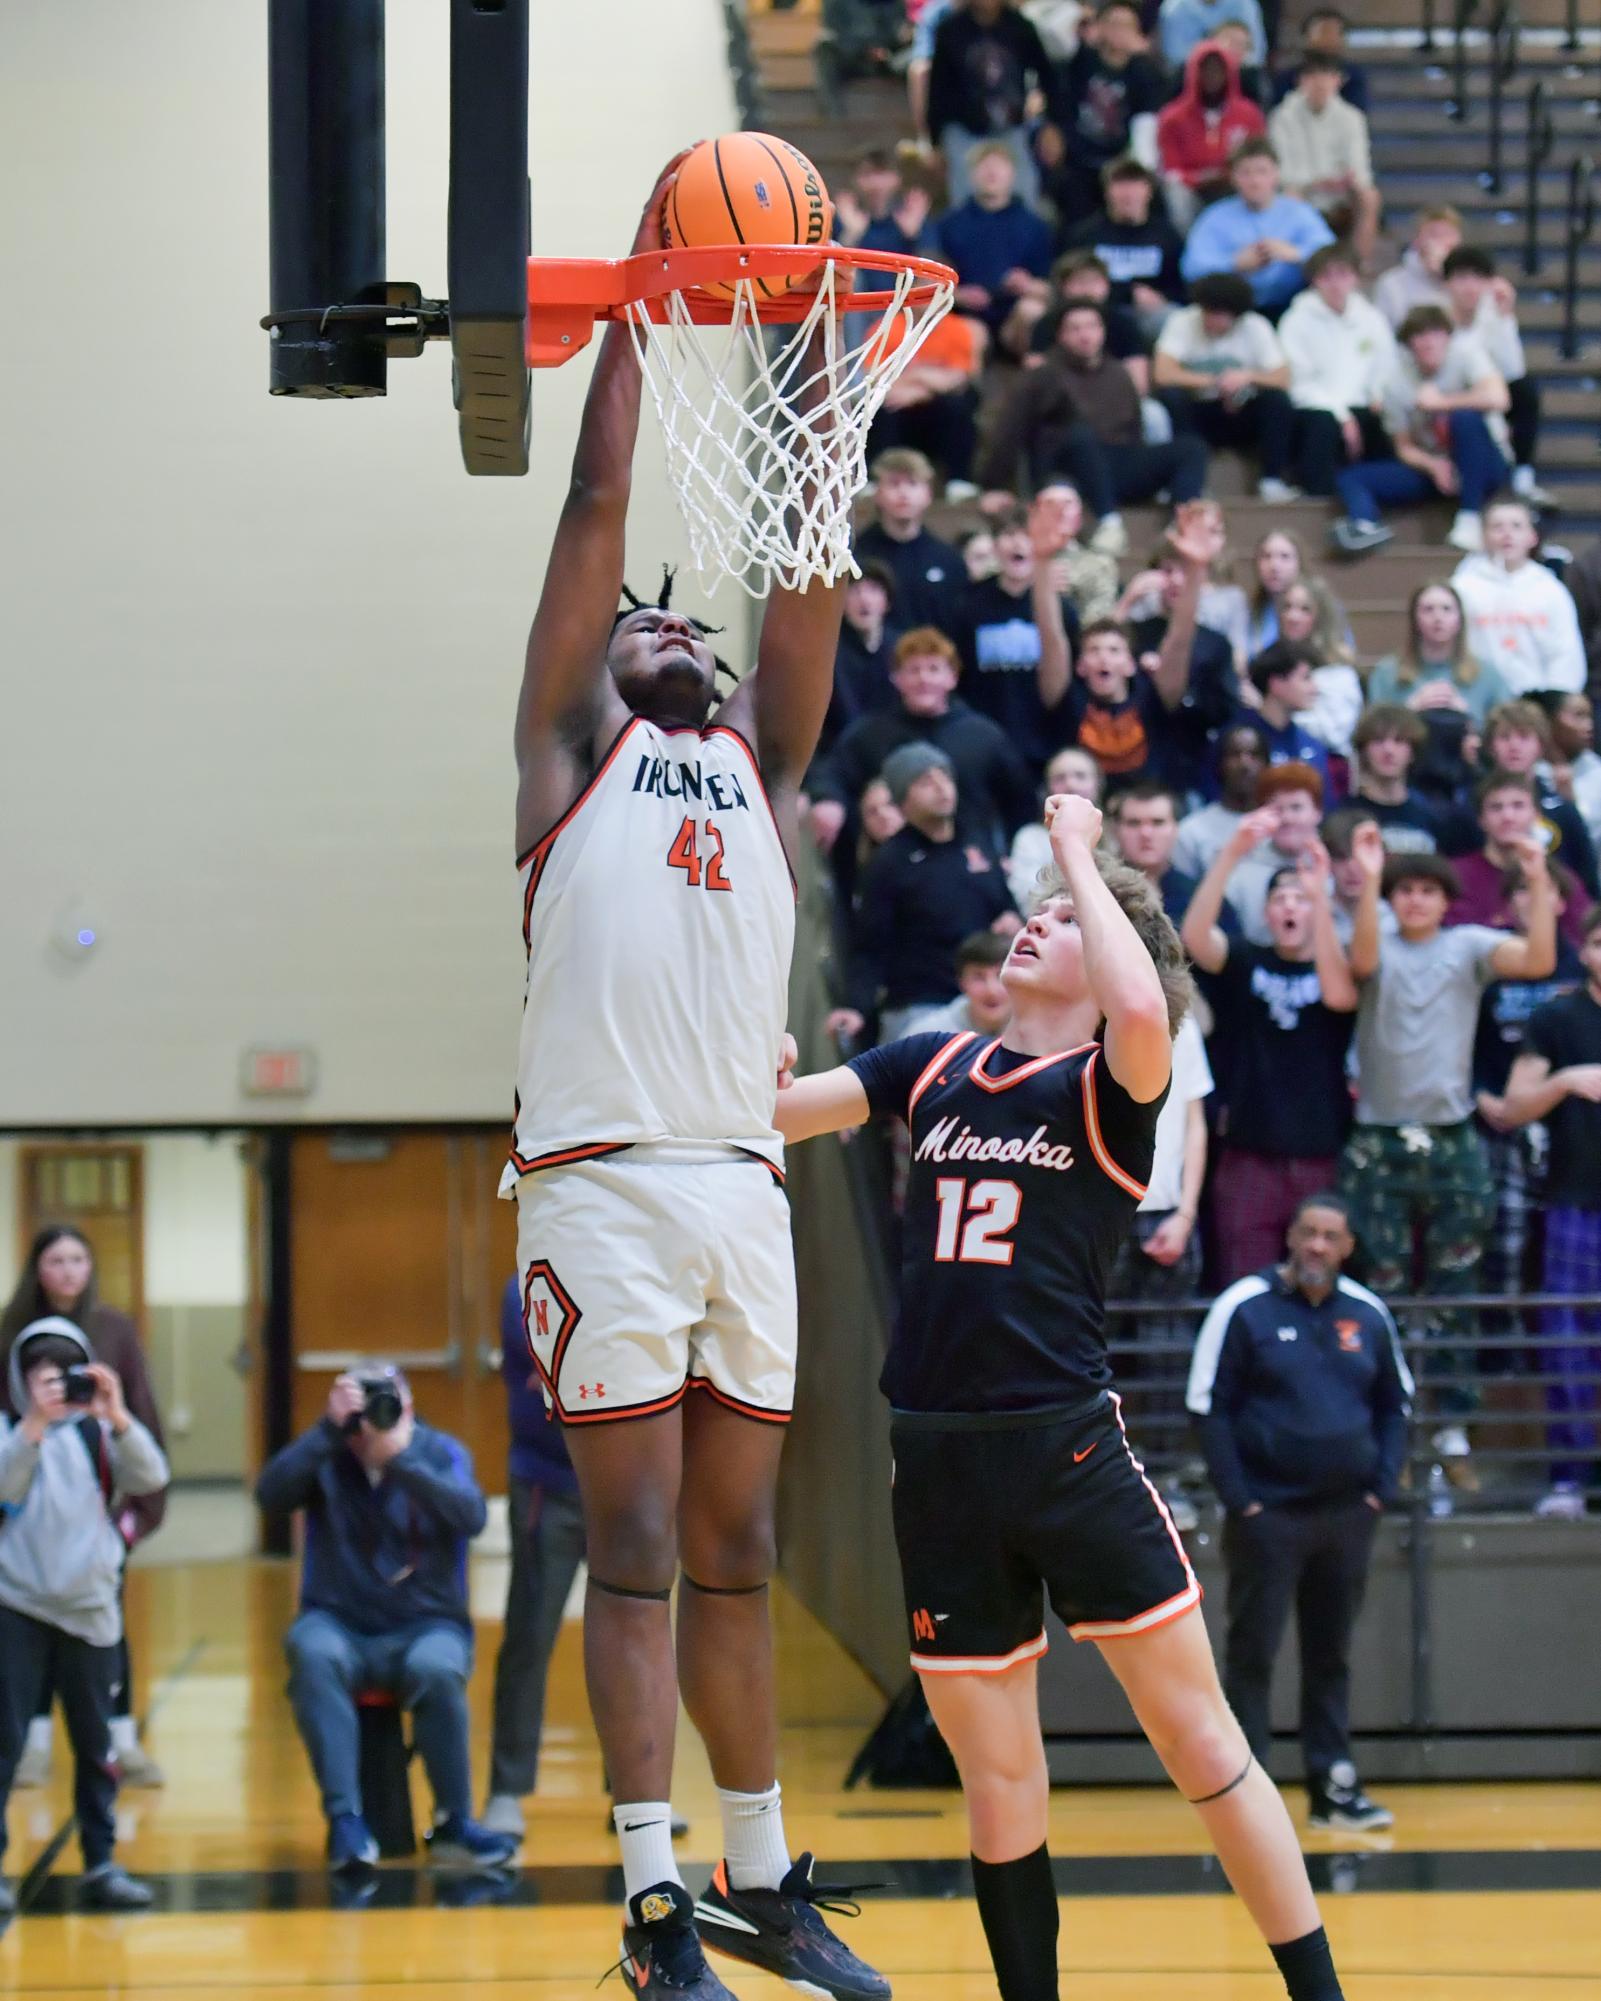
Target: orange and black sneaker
662 1953
782 1932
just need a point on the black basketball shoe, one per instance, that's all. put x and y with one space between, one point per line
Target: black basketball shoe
781 1932
1339 1804
662 1953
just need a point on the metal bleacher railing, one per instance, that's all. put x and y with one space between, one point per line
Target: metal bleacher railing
1581 225
1542 139
1502 1365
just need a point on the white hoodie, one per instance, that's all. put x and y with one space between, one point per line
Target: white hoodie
1339 362
1523 623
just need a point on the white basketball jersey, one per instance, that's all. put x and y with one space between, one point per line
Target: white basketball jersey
659 915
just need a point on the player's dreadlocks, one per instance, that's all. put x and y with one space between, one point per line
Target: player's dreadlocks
632 603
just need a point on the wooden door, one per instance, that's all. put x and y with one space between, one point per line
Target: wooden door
98 1190
392 1246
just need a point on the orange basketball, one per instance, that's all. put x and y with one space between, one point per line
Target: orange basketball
748 188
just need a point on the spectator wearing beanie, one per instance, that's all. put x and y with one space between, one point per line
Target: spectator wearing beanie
995 784
1283 1013
1340 352
1220 370
1414 1170
1198 133
923 892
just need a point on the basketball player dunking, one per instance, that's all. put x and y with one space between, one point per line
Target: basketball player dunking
653 1236
1014 1480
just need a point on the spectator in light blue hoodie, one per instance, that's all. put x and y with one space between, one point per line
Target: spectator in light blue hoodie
1262 234
1184 23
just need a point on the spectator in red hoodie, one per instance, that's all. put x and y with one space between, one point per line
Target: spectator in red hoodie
1197 133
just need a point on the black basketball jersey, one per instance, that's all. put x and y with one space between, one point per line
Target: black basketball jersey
1026 1173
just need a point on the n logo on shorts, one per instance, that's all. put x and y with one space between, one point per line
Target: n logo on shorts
549 1314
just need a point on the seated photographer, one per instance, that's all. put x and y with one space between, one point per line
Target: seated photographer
70 1453
390 1506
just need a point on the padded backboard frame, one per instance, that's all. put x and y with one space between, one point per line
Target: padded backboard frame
489 231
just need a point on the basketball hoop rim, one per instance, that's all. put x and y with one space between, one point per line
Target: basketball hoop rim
568 295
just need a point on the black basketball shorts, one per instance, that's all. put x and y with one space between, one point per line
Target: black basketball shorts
995 1514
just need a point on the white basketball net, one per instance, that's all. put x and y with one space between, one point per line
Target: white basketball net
766 443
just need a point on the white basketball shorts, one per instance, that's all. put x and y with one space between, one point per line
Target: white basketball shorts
643 1278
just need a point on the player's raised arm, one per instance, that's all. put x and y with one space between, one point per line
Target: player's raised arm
567 699
1120 971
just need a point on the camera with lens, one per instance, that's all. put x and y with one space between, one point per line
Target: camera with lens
381 1406
77 1385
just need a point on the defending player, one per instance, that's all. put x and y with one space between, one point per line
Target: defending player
1014 1480
653 1237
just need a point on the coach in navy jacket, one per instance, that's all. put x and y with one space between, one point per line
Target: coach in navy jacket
1303 1397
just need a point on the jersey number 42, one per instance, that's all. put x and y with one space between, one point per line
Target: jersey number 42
975 1219
703 868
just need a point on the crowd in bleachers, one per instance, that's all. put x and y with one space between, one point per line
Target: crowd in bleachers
1384 868
1152 169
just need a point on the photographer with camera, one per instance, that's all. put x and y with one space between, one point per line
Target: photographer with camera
390 1505
65 1459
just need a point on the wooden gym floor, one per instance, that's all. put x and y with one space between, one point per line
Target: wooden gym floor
1484 1890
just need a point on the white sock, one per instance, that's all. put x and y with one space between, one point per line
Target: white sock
645 1829
753 1839
124 1734
39 1733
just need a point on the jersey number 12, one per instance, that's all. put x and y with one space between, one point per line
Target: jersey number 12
975 1219
700 869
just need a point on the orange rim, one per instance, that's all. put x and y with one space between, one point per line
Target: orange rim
568 295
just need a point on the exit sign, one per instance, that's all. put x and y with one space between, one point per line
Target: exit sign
278 1073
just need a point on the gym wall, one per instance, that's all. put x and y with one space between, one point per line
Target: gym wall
260 656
